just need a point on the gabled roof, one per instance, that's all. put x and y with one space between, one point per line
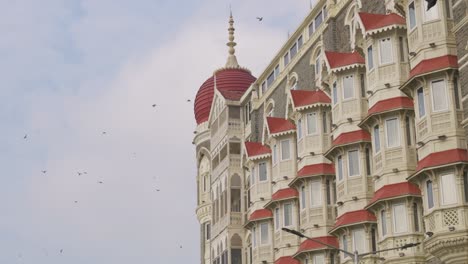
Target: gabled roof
284 194
433 65
287 260
310 245
442 158
353 218
395 190
388 105
340 61
304 98
256 150
279 126
374 23
260 214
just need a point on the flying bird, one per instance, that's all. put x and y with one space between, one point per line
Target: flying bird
76 201
154 105
25 136
61 251
100 182
157 190
188 100
44 171
260 18
79 173
180 246
104 132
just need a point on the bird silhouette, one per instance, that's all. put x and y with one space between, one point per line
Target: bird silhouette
104 132
44 171
61 251
154 105
76 201
25 136
100 182
158 190
79 173
260 18
188 100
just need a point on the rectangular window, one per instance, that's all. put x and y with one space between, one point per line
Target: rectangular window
353 163
317 66
401 45
393 134
431 14
439 95
286 59
262 171
412 15
348 89
329 190
416 217
373 240
311 29
287 221
299 42
253 175
400 222
456 92
344 242
276 71
386 54
277 218
319 259
465 185
340 168
324 122
315 193
264 87
448 187
208 231
264 234
318 20
285 150
303 197
408 130
359 240
293 51
273 154
376 139
270 79
370 58
299 129
254 237
335 94
421 104
383 220
311 123
363 85
368 162
430 195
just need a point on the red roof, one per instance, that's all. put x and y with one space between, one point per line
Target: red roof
434 64
354 217
351 137
338 59
309 245
443 158
256 149
391 104
284 194
375 21
316 169
303 97
287 260
260 214
395 190
232 83
278 125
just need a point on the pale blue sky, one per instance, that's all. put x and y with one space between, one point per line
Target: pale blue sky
71 69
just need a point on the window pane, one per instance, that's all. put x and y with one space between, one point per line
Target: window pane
421 105
311 123
254 237
274 155
287 214
439 95
430 195
400 223
303 197
299 42
262 171
353 163
457 96
315 193
393 135
386 54
368 162
319 259
370 58
270 79
383 220
318 20
402 49
299 129
329 190
415 217
363 85
359 240
293 51
448 189
285 150
286 59
324 122
344 242
376 139
432 13
277 218
311 29
340 168
412 15
335 94
264 238
348 89
317 66
408 130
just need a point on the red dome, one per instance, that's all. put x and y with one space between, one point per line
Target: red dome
232 83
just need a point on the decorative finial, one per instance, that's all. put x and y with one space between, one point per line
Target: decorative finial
232 60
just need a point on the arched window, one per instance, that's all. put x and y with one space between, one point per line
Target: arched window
236 249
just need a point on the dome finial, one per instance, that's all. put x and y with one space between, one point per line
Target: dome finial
232 60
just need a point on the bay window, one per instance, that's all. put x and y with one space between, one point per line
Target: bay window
348 87
262 171
359 240
448 187
303 197
393 134
335 94
299 129
285 150
400 222
315 193
264 234
311 123
287 214
277 218
439 95
416 217
386 51
273 155
353 163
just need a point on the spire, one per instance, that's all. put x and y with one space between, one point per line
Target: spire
232 60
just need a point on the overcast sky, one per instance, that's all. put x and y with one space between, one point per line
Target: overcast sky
73 69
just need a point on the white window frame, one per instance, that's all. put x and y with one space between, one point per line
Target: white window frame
381 51
317 66
383 223
431 196
335 93
317 203
281 149
319 257
364 240
370 58
448 190
423 103
343 88
409 16
445 93
290 217
316 125
424 11
398 135
274 155
303 197
339 169
254 237
377 141
400 221
358 165
277 218
299 129
266 171
262 232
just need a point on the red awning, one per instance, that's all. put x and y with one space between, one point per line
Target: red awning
395 190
